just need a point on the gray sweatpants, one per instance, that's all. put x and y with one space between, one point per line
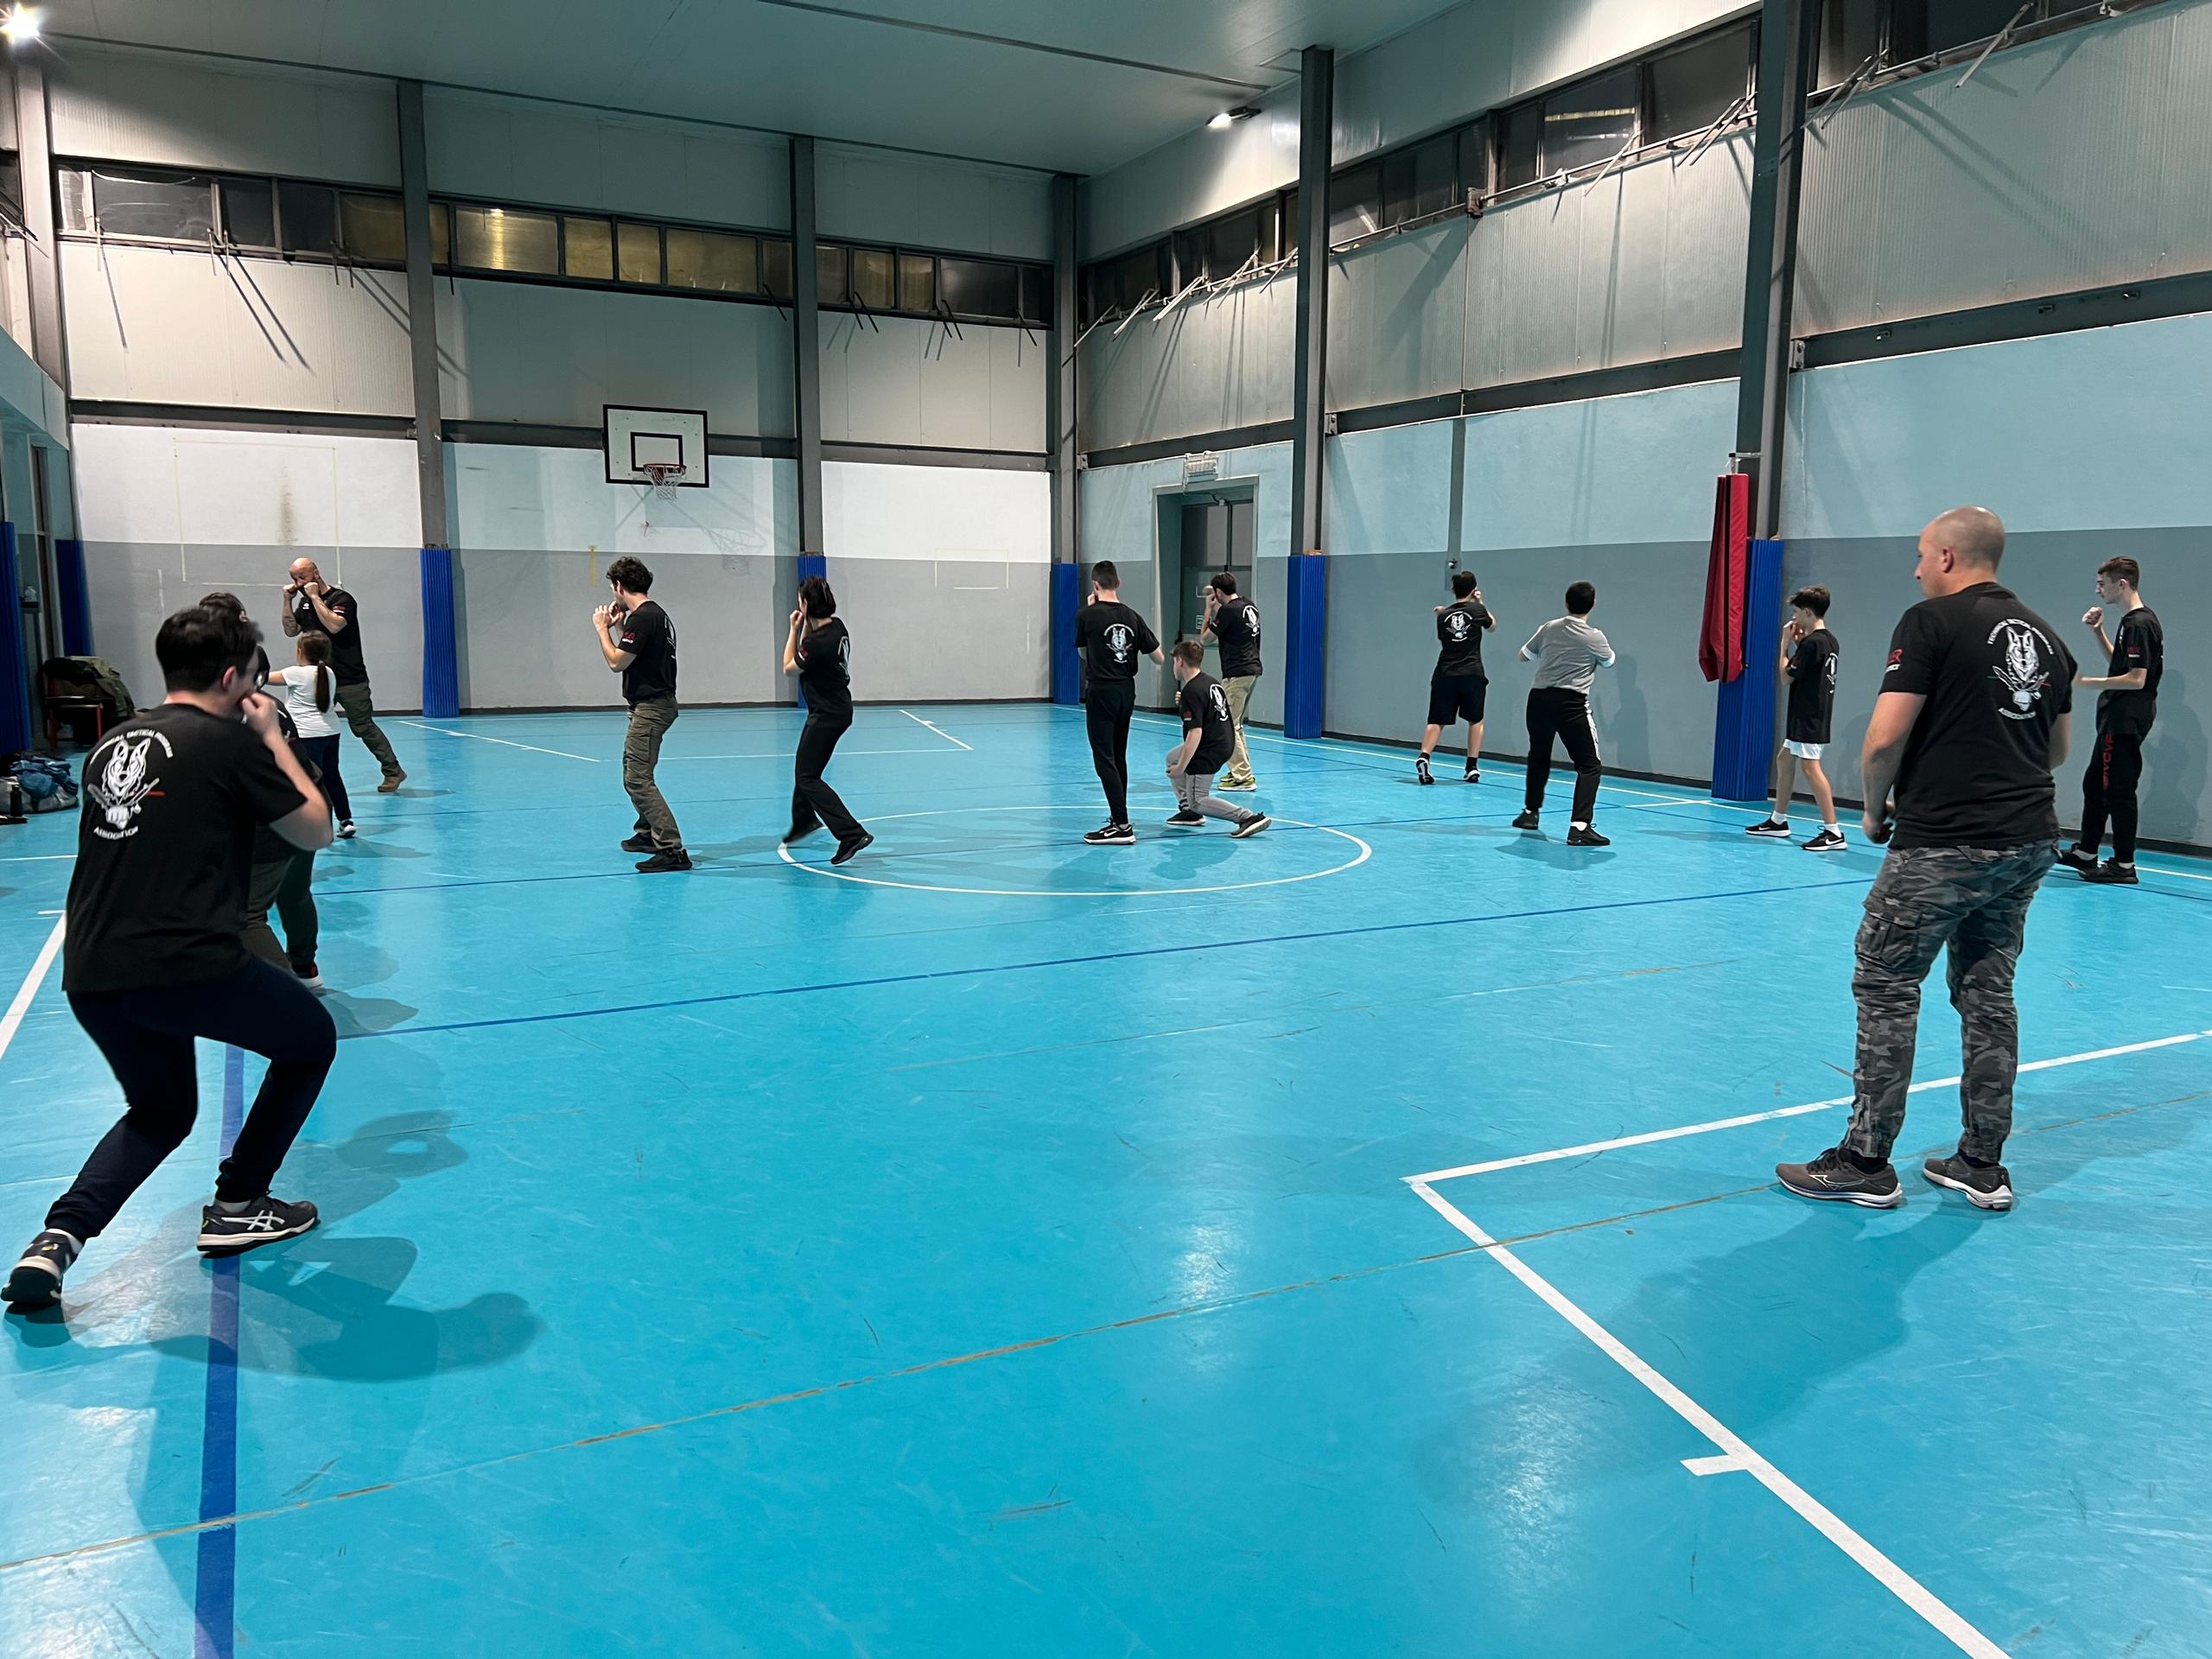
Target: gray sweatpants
1971 902
1194 790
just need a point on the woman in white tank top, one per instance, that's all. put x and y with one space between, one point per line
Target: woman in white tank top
310 692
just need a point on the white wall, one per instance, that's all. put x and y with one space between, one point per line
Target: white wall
901 380
518 150
169 514
165 109
878 195
159 324
531 353
943 574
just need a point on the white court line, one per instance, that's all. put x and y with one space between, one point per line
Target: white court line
1591 1148
38 858
14 1018
786 754
934 727
594 758
2186 875
1893 1578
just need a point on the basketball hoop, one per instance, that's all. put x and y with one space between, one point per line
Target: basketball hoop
666 476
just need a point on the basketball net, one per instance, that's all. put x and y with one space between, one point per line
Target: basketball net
666 476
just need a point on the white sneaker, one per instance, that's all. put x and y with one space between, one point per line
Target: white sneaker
345 831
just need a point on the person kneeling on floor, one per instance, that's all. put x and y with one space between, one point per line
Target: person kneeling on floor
1209 738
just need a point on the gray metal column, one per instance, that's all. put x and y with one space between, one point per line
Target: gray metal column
1787 42
806 349
1060 415
423 317
1317 69
42 249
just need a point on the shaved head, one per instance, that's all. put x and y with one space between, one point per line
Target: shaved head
1959 549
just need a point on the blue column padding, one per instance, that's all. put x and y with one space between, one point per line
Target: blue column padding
1743 726
1067 600
441 654
810 564
1305 675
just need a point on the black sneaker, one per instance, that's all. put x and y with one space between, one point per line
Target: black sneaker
1421 774
1985 1189
1474 774
849 850
800 832
1828 841
1252 826
310 976
1587 837
346 830
675 858
1113 835
1527 820
640 842
262 1222
1831 1175
1186 819
2078 858
2112 873
36 1281
1774 829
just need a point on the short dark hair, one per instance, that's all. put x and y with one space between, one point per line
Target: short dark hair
1462 583
1103 575
630 576
222 599
1581 596
2125 569
814 597
1814 600
1191 653
1224 584
196 646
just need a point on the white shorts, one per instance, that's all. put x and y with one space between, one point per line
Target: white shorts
1803 750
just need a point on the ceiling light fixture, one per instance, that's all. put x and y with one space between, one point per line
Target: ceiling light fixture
1228 119
19 24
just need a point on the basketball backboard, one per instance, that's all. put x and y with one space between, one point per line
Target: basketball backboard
638 439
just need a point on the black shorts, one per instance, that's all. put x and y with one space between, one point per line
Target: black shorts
1455 696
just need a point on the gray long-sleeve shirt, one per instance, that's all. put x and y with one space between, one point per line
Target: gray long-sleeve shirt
1568 652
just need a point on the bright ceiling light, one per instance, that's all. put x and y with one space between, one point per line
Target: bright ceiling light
19 24
1221 123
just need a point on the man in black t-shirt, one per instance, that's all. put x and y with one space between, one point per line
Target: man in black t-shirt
1233 622
154 959
639 642
1111 637
1209 738
313 606
1809 658
1971 718
1458 689
819 652
2127 703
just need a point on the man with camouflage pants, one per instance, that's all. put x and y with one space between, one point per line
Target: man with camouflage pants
1971 720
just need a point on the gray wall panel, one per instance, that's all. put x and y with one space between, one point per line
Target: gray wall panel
1397 314
941 630
1212 365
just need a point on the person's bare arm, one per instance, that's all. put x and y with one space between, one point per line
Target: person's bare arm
602 621
291 622
307 826
790 642
332 621
1882 753
2134 680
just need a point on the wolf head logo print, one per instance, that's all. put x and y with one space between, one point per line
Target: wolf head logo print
2020 669
1119 638
122 784
1458 625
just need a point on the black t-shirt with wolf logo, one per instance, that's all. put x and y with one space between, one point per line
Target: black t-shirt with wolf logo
1976 771
1112 637
1204 705
164 847
1460 637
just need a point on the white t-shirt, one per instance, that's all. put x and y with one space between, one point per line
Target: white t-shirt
299 703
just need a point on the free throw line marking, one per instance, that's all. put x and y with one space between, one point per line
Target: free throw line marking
508 742
1590 1147
13 1019
1733 1446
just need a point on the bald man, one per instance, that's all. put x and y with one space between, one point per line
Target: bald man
313 606
1971 720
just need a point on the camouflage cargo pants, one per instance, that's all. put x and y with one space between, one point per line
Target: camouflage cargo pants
1973 901
649 724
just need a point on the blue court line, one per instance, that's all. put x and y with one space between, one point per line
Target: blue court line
215 1594
1102 957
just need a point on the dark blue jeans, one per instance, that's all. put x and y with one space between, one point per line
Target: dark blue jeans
147 1037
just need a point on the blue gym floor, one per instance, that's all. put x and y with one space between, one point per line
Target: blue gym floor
1020 1247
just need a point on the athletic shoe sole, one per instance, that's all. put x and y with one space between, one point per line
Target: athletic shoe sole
32 1285
236 1244
2000 1199
1251 826
1184 824
853 849
1239 789
1831 1195
1828 846
1130 840
1761 832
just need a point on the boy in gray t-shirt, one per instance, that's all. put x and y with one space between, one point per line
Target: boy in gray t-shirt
1567 652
